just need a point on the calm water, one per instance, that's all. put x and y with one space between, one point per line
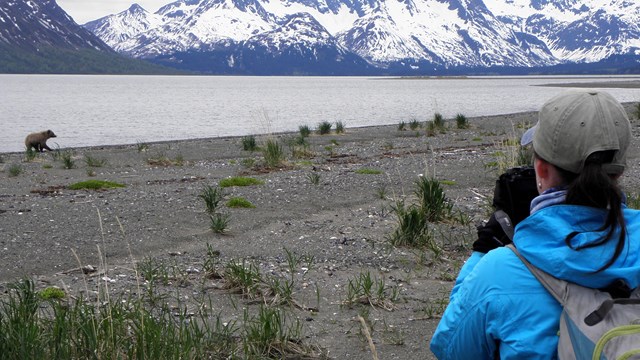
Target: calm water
103 110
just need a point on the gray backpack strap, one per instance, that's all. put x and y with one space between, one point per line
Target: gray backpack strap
555 286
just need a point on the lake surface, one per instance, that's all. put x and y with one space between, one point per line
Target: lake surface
91 110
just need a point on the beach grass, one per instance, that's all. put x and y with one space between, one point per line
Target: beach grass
273 154
211 195
461 121
324 128
15 170
368 290
249 143
93 161
304 130
219 223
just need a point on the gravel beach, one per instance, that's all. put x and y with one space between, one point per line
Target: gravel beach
319 207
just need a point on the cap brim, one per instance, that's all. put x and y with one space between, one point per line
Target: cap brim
527 137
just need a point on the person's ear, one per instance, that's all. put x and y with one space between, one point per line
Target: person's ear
542 168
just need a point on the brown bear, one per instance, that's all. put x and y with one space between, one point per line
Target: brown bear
38 140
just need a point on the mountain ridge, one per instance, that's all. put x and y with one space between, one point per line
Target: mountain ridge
410 34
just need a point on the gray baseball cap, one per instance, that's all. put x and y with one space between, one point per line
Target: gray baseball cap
575 124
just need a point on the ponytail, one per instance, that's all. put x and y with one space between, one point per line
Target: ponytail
593 187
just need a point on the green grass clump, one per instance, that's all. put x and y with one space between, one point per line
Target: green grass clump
324 128
15 170
368 171
438 121
219 222
273 154
95 185
249 143
94 162
339 127
414 124
433 202
367 290
240 181
305 131
314 178
30 154
239 202
462 122
67 160
211 197
412 229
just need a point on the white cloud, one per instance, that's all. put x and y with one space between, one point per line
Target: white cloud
83 11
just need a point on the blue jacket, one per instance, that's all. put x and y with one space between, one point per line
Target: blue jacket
498 306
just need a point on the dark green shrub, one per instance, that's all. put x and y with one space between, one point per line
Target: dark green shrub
324 128
249 143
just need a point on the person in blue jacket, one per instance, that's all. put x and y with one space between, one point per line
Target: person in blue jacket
579 230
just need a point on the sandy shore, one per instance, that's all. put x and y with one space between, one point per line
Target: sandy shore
339 225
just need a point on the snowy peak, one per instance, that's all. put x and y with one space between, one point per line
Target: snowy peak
115 30
36 23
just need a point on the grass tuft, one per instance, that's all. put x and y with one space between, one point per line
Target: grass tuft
433 202
339 127
30 154
94 162
368 290
273 154
462 122
249 143
219 222
314 178
324 128
305 131
211 197
15 170
95 185
67 160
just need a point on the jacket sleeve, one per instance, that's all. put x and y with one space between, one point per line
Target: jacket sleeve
464 332
468 266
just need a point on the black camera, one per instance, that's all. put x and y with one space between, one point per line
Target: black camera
512 196
514 191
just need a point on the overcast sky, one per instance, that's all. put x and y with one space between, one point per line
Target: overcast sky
83 11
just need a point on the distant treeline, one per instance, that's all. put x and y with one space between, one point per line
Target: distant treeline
50 60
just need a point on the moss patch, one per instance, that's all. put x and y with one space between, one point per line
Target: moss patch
95 185
240 181
239 202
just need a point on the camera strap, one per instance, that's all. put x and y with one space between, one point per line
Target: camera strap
505 223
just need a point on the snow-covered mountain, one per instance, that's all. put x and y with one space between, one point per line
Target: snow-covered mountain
37 36
385 33
37 24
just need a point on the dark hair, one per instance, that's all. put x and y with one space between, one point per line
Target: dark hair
595 188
